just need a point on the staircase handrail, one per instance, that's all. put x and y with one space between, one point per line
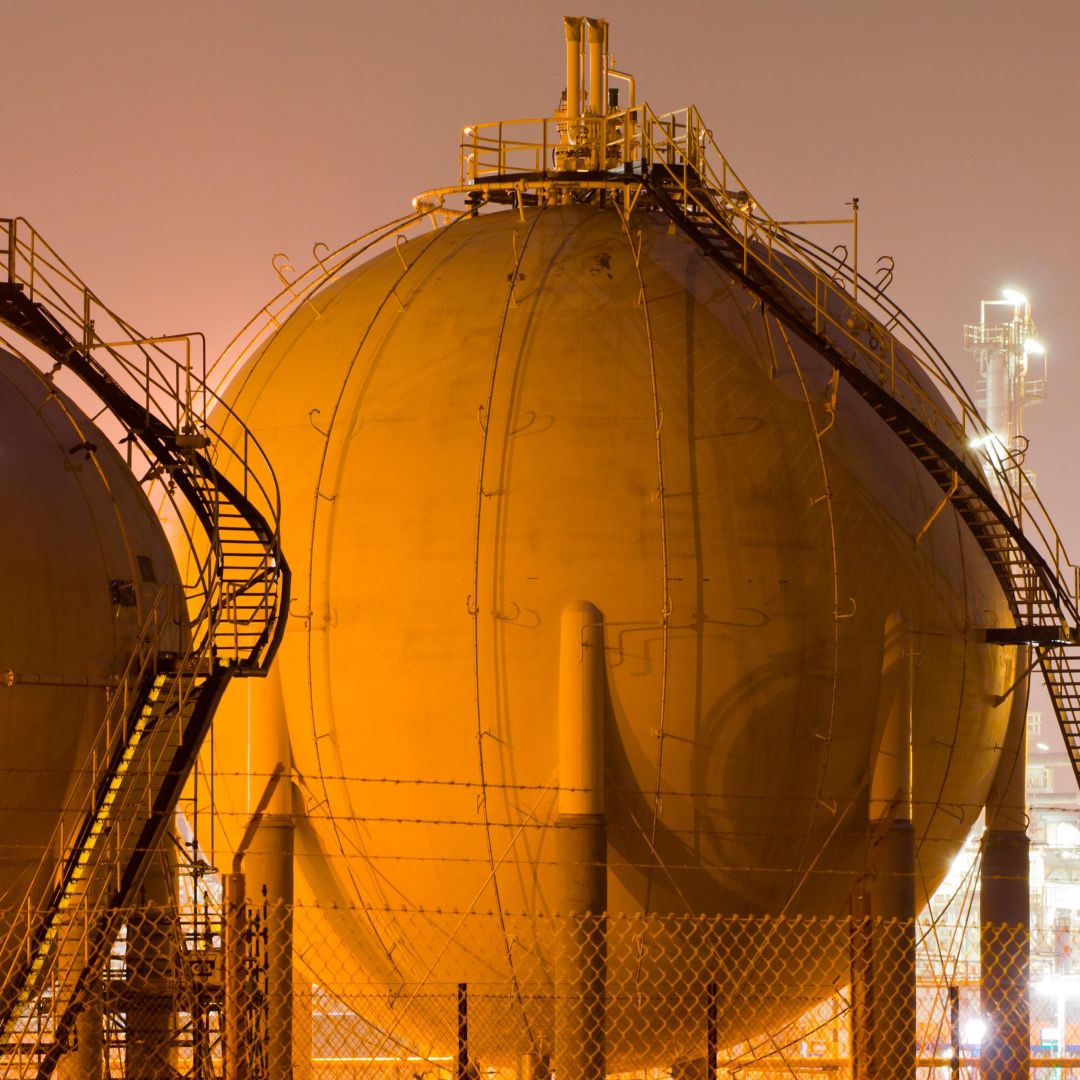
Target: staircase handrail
770 246
141 661
50 926
1030 511
175 402
628 148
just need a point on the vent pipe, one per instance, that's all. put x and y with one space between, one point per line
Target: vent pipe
572 26
597 74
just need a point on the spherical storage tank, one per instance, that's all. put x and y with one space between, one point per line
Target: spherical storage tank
534 407
458 465
84 559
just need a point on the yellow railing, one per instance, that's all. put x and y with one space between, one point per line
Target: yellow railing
46 947
627 149
173 390
297 291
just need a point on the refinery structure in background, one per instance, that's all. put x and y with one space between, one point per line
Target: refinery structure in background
1012 369
637 615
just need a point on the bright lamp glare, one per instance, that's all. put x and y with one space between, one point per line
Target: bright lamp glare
1013 296
974 1031
1034 346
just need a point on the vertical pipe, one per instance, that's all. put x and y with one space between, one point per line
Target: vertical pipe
581 711
236 996
461 1062
597 92
572 29
996 367
1004 904
242 1029
581 848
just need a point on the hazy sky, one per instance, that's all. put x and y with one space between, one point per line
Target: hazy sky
168 149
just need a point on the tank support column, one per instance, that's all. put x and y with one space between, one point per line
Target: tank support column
1004 906
263 871
270 868
84 1060
883 945
581 849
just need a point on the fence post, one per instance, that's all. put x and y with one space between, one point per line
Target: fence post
461 1064
862 986
954 1032
710 1032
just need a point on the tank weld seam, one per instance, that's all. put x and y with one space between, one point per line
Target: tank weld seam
98 469
958 523
666 605
768 337
837 617
473 604
318 496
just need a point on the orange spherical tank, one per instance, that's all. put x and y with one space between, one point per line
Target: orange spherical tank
83 562
464 450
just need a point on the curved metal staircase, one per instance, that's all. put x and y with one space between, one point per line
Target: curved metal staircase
636 159
992 497
231 626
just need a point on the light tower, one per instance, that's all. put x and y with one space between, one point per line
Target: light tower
1012 370
1012 373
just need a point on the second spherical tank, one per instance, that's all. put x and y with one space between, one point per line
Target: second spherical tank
518 412
85 570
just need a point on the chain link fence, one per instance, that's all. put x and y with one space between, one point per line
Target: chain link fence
269 991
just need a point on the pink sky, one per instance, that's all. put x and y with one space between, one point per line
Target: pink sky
168 149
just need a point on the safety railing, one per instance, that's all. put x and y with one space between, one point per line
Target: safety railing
525 997
297 291
162 618
168 400
214 474
91 848
842 306
628 147
546 146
